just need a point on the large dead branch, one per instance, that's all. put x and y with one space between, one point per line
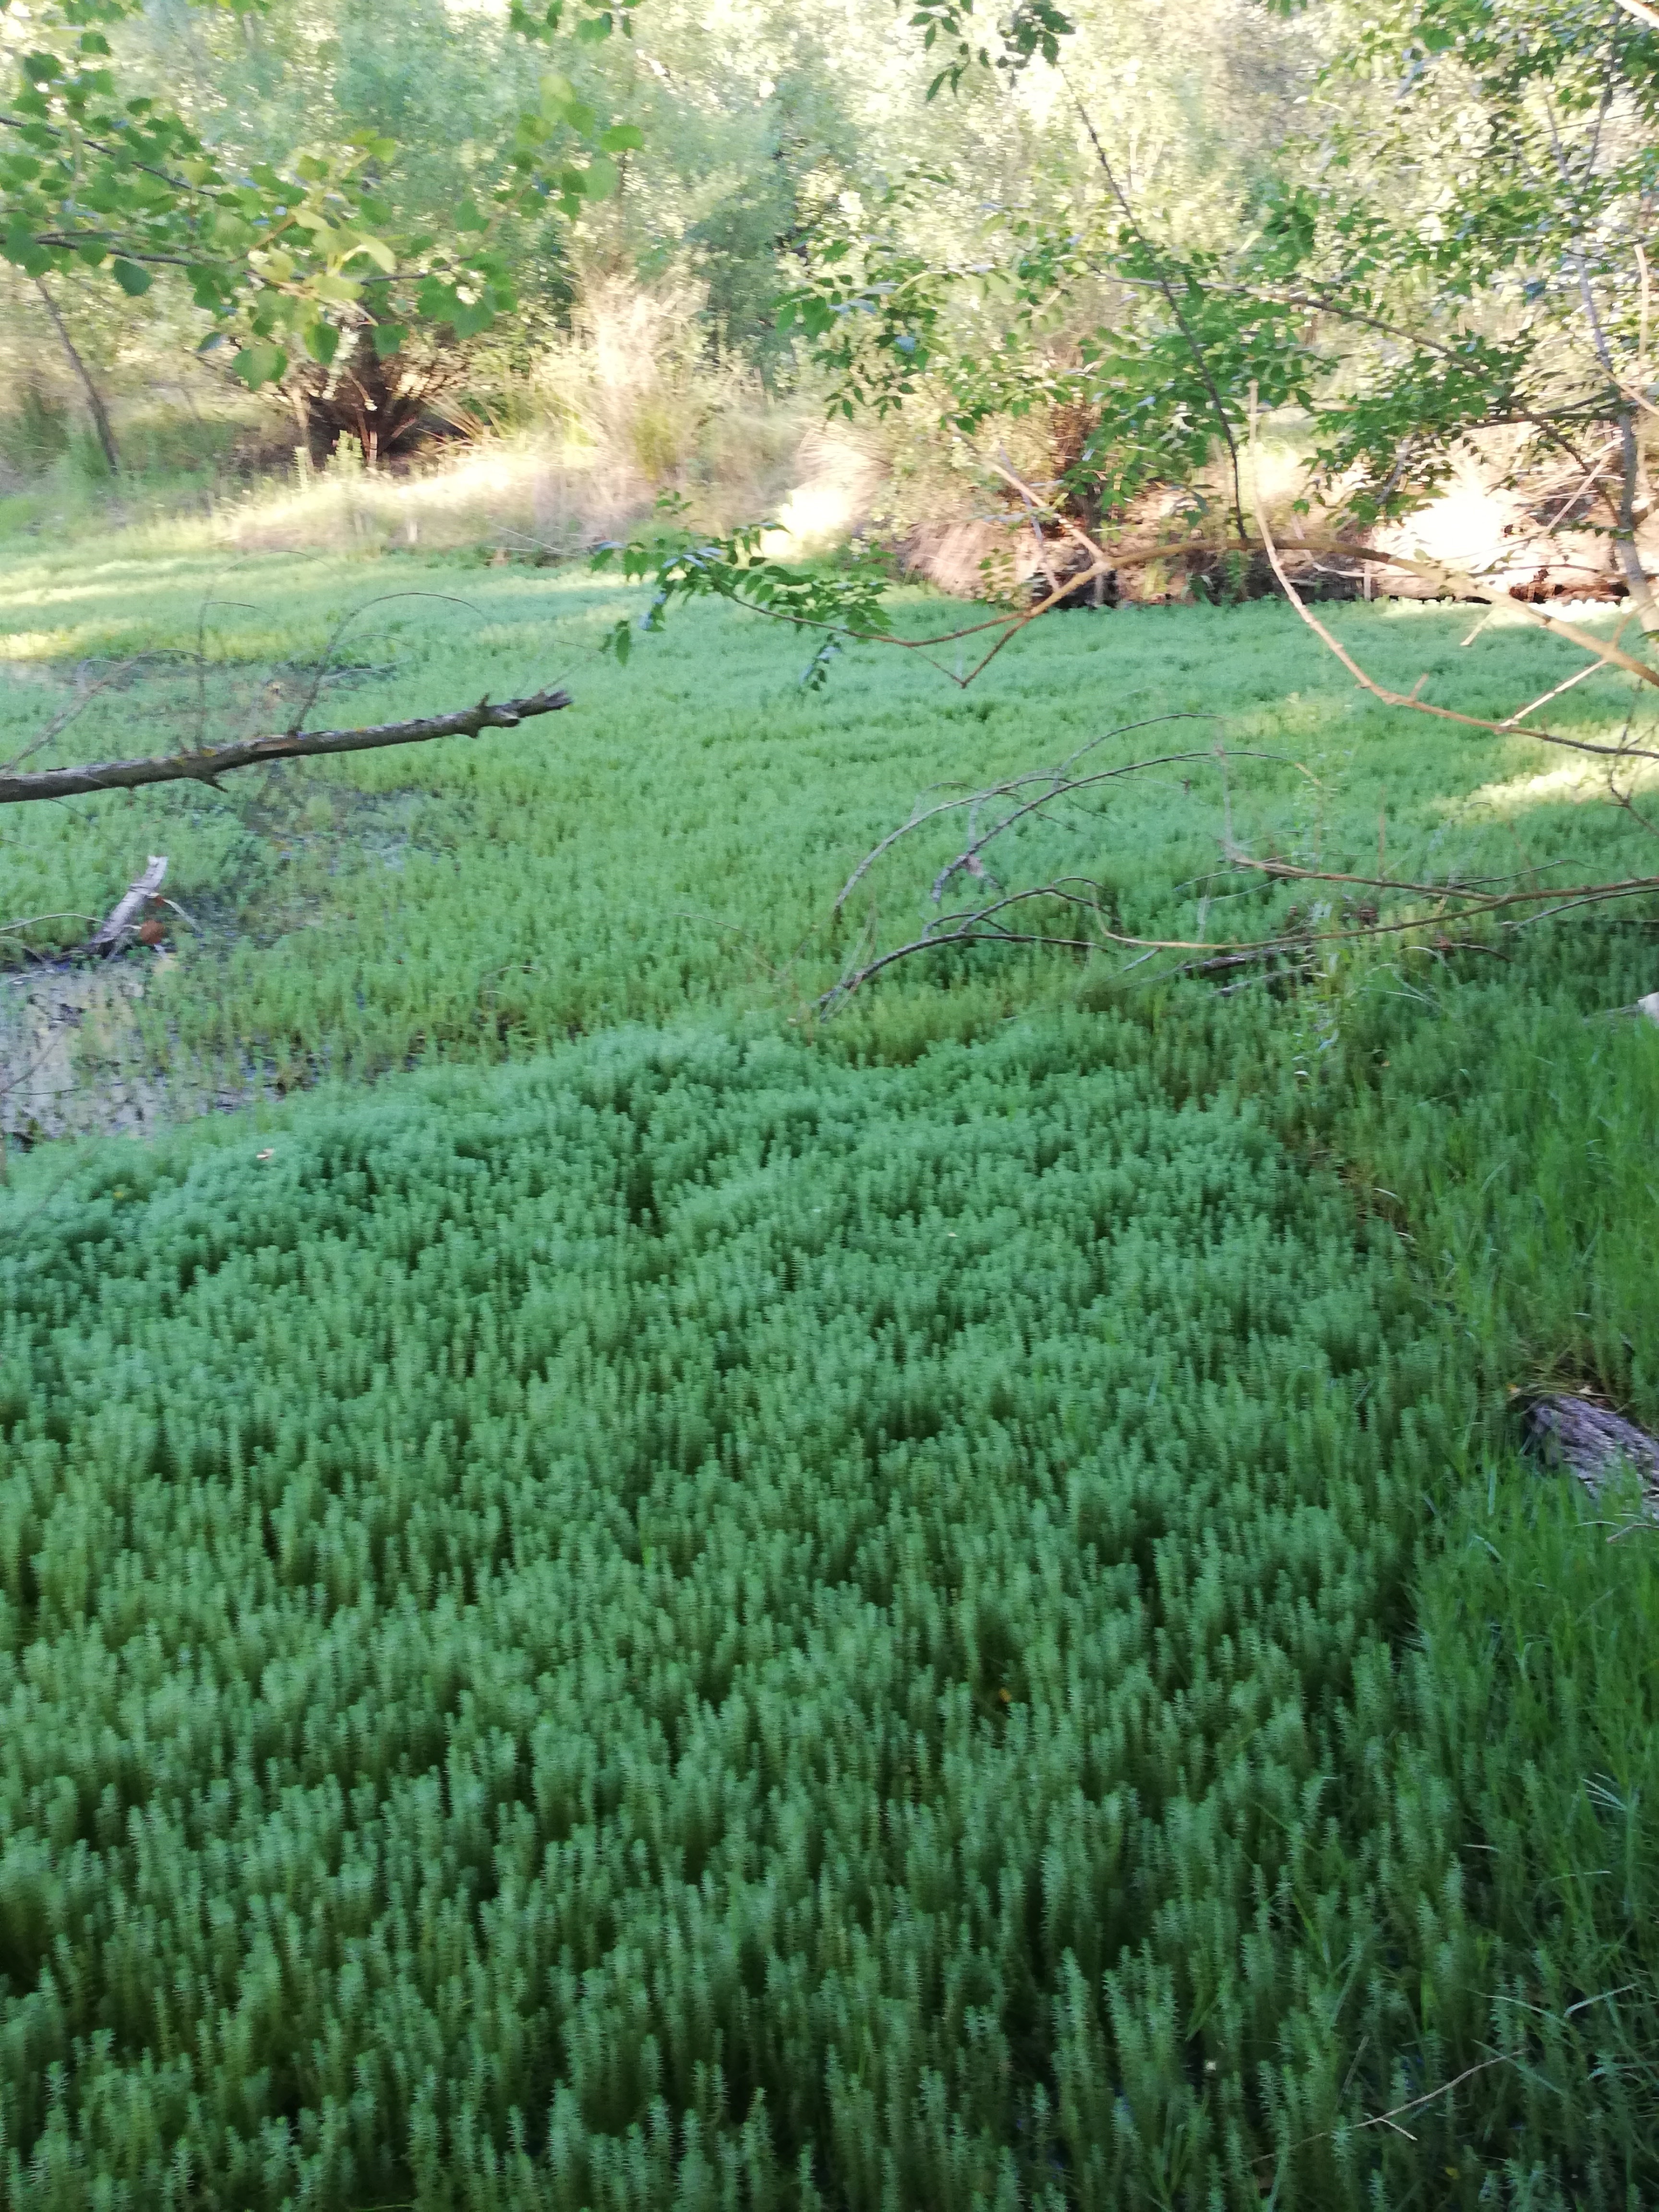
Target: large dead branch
1436 917
207 765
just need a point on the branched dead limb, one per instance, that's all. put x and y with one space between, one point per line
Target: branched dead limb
207 765
1623 536
982 926
1451 905
1459 583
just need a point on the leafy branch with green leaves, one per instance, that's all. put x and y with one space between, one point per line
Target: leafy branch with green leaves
282 260
1469 253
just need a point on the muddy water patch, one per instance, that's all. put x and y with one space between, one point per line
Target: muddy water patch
75 1060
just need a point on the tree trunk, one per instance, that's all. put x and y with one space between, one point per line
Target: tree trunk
1623 538
100 421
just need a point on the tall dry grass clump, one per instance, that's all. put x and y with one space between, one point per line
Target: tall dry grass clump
630 402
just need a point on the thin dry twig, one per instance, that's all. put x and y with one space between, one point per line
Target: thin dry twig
966 858
344 624
1590 668
78 706
1014 784
1398 2112
242 607
29 921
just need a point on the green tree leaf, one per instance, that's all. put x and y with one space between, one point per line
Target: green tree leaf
259 364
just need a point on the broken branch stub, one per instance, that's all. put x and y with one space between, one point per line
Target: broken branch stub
128 910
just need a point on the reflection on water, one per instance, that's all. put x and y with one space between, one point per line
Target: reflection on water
73 1061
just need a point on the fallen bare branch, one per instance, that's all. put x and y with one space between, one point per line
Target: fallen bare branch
1451 904
980 927
207 765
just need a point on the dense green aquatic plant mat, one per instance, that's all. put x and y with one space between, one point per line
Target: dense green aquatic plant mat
667 1454
685 1625
672 847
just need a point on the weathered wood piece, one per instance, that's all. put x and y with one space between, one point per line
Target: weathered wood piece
128 911
1593 1442
207 766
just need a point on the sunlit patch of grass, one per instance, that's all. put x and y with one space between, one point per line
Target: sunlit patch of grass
25 645
1574 783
